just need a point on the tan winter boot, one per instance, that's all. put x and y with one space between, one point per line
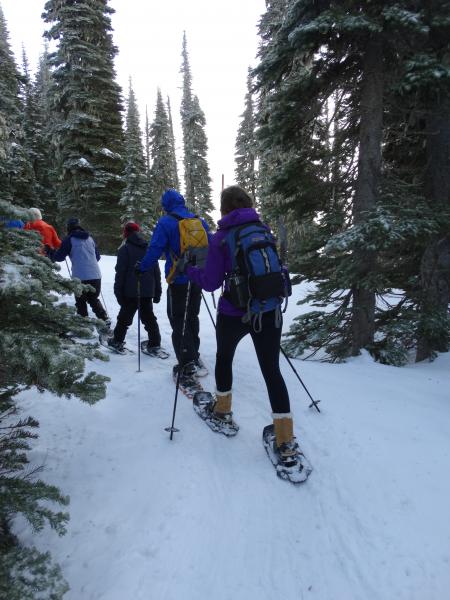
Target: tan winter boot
284 434
222 406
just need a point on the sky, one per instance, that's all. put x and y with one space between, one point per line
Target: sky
222 43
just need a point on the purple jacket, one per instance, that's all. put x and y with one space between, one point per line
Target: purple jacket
218 263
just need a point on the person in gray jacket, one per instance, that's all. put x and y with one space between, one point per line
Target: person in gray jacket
82 250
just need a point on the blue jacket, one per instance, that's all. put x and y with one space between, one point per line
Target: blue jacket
125 283
83 253
166 235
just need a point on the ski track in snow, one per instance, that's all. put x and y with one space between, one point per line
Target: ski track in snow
204 516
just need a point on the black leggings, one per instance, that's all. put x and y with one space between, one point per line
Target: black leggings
229 332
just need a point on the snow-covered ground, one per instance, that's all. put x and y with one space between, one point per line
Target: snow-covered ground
205 517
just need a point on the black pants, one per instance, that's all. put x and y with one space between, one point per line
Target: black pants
176 304
125 318
229 332
91 298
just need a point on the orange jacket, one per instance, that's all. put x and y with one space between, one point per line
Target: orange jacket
49 236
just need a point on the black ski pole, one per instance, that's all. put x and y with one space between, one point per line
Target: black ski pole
214 300
313 402
173 429
209 312
139 320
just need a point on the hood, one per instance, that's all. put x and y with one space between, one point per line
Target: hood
137 239
171 199
79 233
239 216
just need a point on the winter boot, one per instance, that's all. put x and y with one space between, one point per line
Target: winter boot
200 368
284 444
221 408
116 345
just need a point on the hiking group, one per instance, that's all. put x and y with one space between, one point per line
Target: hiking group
240 258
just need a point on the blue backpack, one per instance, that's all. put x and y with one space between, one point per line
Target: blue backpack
258 282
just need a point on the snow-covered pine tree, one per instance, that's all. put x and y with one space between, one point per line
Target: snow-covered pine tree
17 181
197 180
37 126
40 349
173 147
163 172
246 152
88 124
135 200
326 78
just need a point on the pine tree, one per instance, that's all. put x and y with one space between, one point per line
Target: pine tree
88 124
39 348
44 164
245 155
328 73
135 199
17 179
195 146
173 147
163 172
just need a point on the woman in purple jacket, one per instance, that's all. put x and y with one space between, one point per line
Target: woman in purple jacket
236 209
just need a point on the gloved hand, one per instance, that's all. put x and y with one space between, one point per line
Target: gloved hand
156 299
137 268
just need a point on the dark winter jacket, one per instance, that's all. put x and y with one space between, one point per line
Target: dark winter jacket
125 283
219 262
83 253
166 236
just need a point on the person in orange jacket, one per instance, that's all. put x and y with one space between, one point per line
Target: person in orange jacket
50 239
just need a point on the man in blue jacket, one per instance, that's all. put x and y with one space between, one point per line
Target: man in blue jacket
166 240
84 255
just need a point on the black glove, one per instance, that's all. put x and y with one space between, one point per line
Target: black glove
137 268
156 299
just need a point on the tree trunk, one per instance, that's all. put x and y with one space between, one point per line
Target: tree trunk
367 189
435 265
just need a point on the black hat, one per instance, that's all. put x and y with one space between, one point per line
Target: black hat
72 224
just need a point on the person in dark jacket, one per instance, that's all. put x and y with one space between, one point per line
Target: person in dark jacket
126 290
166 240
236 209
82 250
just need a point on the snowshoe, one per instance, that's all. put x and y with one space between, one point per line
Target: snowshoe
188 384
204 405
155 351
200 368
109 342
290 463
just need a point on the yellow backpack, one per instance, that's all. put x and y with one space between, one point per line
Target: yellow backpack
193 237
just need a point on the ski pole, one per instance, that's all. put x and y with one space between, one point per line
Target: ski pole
209 312
139 320
68 268
104 304
173 429
214 300
313 402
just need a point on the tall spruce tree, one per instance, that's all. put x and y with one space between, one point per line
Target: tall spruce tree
17 180
195 145
173 146
135 199
163 170
88 124
245 155
328 82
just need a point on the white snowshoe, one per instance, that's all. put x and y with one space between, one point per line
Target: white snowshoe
203 403
294 468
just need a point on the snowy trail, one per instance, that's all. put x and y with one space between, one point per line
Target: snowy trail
206 517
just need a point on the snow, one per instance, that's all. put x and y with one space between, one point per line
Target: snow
205 517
